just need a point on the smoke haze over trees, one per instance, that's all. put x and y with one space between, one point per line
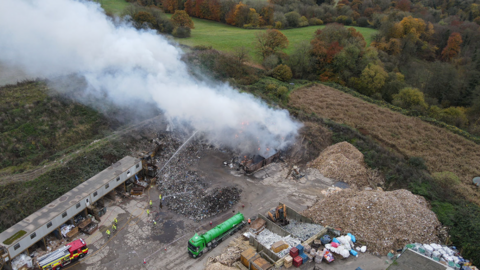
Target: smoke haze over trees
125 65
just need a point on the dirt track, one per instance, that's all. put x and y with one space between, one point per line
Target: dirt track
409 136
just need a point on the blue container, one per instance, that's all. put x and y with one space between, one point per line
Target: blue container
300 249
304 257
353 252
352 237
335 240
326 239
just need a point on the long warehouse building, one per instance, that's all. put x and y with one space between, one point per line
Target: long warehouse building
38 225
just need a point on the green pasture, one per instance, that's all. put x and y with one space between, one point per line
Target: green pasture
225 37
113 6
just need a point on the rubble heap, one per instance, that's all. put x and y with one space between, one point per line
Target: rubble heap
183 190
342 162
302 231
384 220
268 238
229 255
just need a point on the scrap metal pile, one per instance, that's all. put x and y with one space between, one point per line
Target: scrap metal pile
302 231
183 190
382 220
268 238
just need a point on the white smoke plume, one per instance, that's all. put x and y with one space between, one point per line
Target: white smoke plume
51 38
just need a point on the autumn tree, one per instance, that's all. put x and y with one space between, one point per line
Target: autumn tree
453 47
181 19
242 54
169 6
410 98
282 73
239 15
371 80
403 5
270 42
144 17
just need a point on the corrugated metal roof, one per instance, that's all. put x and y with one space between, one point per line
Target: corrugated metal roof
60 205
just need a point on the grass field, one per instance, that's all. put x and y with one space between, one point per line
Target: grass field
113 6
408 136
225 37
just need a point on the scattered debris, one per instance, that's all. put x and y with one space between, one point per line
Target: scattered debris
230 255
343 162
302 231
268 238
332 190
383 220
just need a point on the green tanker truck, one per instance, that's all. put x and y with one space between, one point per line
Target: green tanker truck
199 244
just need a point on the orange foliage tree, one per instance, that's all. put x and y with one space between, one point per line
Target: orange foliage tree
239 15
169 6
453 46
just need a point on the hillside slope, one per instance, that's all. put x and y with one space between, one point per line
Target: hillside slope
409 136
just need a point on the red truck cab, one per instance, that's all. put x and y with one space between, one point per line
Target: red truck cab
63 256
78 249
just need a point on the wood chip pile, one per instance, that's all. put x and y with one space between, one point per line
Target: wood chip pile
229 255
382 220
342 162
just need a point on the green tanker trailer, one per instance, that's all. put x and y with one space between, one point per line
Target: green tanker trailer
199 244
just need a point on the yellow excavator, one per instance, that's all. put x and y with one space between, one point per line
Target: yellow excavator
278 215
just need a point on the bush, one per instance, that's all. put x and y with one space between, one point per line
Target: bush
315 21
271 87
278 25
417 162
447 179
343 20
408 98
282 73
454 116
282 92
181 32
363 22
293 18
303 21
201 48
271 61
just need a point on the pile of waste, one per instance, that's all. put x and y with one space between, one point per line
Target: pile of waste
21 261
66 229
383 220
184 191
342 162
344 246
439 253
268 238
302 231
230 255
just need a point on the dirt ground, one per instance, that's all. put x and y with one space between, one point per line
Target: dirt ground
164 246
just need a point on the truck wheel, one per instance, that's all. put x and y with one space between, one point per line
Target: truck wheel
81 255
58 267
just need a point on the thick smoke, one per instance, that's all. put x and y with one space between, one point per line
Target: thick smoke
54 38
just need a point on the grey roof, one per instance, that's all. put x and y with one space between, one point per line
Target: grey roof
60 205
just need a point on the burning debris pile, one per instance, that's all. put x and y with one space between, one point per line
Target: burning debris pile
183 190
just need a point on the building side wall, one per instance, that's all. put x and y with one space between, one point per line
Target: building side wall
27 241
